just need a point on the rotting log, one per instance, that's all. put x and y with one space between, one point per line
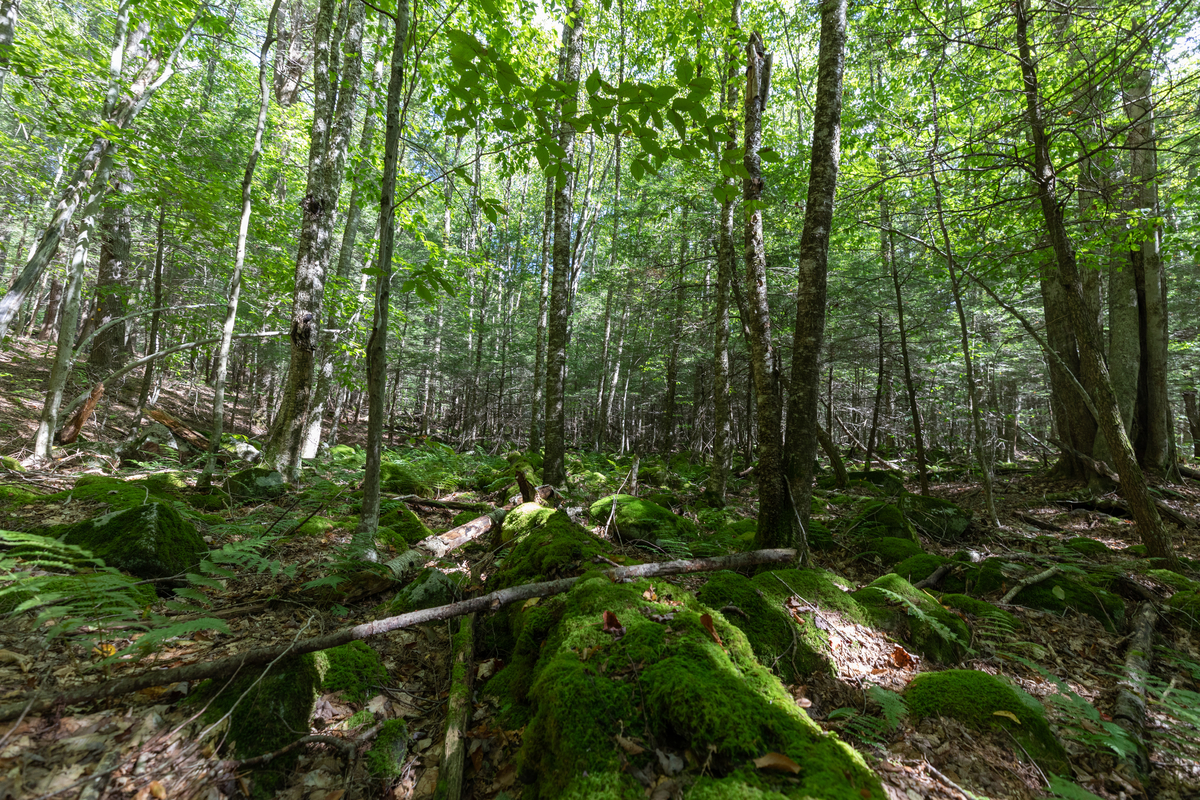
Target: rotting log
458 712
458 505
180 429
39 701
1129 710
70 431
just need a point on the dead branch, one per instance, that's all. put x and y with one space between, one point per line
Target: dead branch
1129 711
1045 575
458 715
487 602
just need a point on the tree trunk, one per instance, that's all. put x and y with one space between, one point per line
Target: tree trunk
108 348
813 262
364 537
538 405
1133 481
156 317
1193 420
554 465
9 12
676 334
878 397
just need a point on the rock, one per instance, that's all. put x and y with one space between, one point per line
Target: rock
879 519
403 527
255 484
894 605
890 550
987 702
639 519
548 545
385 759
354 669
148 541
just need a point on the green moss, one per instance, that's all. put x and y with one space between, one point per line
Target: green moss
890 482
547 545
385 759
1088 547
919 567
1058 594
359 719
890 550
975 698
400 521
400 479
345 453
256 484
879 519
12 464
149 541
1173 579
938 518
694 693
930 629
213 500
354 669
15 496
1138 550
463 517
116 493
640 519
1187 603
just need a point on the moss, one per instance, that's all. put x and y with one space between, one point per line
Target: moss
354 669
693 693
639 519
890 482
256 484
919 567
12 464
1138 550
116 493
930 629
315 526
1088 547
879 519
890 550
400 479
15 496
987 620
938 518
547 545
149 541
975 698
1084 597
345 454
385 759
463 517
213 500
1173 579
274 712
401 521
1187 603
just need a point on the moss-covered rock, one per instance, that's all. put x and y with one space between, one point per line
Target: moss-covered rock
401 479
385 759
11 464
891 482
894 605
316 526
256 484
1186 603
354 669
985 619
639 519
694 693
116 493
986 702
1173 579
879 519
1059 594
148 541
917 568
938 518
547 545
404 526
888 550
214 499
1088 547
431 588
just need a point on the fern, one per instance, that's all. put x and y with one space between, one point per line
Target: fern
869 729
934 624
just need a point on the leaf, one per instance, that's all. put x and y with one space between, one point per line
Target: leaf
613 625
629 746
707 621
777 762
1007 715
1058 592
901 658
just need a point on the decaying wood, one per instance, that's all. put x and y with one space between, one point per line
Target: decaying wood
528 492
441 543
458 713
457 505
39 701
70 432
935 578
1129 711
180 430
1041 525
1044 575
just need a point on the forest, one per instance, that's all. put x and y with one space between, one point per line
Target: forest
494 399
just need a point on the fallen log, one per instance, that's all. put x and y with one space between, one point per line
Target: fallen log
70 432
458 714
457 505
1129 710
35 702
1044 575
1042 525
180 429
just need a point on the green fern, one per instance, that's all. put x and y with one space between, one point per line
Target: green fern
934 624
869 729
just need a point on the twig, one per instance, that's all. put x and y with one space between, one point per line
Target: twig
1041 576
347 747
935 578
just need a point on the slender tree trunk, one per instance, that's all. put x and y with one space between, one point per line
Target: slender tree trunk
377 344
239 262
111 282
676 334
878 398
155 318
813 264
554 465
10 10
1133 481
538 405
1193 420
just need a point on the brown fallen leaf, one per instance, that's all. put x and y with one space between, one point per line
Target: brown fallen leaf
629 746
613 625
777 762
902 659
158 790
707 621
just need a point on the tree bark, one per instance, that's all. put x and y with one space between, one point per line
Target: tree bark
554 465
538 405
10 10
676 334
1133 481
108 348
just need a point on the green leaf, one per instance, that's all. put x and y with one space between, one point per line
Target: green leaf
593 82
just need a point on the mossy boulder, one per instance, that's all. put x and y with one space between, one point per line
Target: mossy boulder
147 541
404 526
547 544
255 484
888 550
684 690
1088 547
891 482
273 712
11 464
354 669
985 619
316 526
431 588
214 499
639 519
894 605
1186 603
917 568
879 519
1058 594
116 493
938 518
987 702
1173 579
401 479
385 759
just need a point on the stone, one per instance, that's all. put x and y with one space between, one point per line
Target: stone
255 484
147 541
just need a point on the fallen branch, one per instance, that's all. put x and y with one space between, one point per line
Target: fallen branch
441 543
457 505
1041 525
935 578
1129 710
458 714
345 745
1045 575
487 602
70 432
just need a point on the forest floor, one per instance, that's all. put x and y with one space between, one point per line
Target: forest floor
145 744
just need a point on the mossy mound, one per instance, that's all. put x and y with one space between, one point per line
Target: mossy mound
11 464
548 545
890 481
1088 547
938 518
986 702
1186 603
917 568
148 541
819 536
400 479
639 519
118 494
354 669
214 499
879 519
889 550
894 605
670 681
402 524
431 588
316 526
256 484
1057 595
987 620
385 759
12 496
1173 579
500 478
274 712
463 517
